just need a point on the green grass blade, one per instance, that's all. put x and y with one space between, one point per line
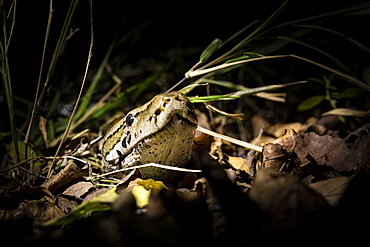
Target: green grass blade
246 40
239 94
339 63
311 102
211 48
345 11
260 28
65 29
102 202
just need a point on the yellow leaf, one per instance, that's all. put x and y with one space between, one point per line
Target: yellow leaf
141 196
141 190
151 184
239 163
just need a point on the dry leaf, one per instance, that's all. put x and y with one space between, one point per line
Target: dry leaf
102 202
279 129
284 197
277 157
327 150
259 123
141 190
79 189
34 203
332 189
42 127
67 175
238 163
202 121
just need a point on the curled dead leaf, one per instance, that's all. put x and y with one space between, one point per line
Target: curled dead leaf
42 127
332 189
328 150
277 157
35 203
284 197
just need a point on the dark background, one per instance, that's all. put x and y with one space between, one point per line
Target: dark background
176 32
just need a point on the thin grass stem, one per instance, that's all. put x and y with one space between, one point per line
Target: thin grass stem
51 167
6 76
71 12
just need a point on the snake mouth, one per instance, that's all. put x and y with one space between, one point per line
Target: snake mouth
178 121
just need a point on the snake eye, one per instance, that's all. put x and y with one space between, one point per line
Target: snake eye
130 119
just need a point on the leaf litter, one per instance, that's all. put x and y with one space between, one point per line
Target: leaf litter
303 187
297 182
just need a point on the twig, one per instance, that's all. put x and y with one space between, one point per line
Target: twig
230 139
174 168
24 162
174 86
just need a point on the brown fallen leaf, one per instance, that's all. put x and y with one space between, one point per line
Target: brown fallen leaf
331 189
258 123
42 127
79 189
74 195
279 129
363 165
66 204
271 132
238 163
204 122
277 157
36 203
284 197
328 150
325 125
66 176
